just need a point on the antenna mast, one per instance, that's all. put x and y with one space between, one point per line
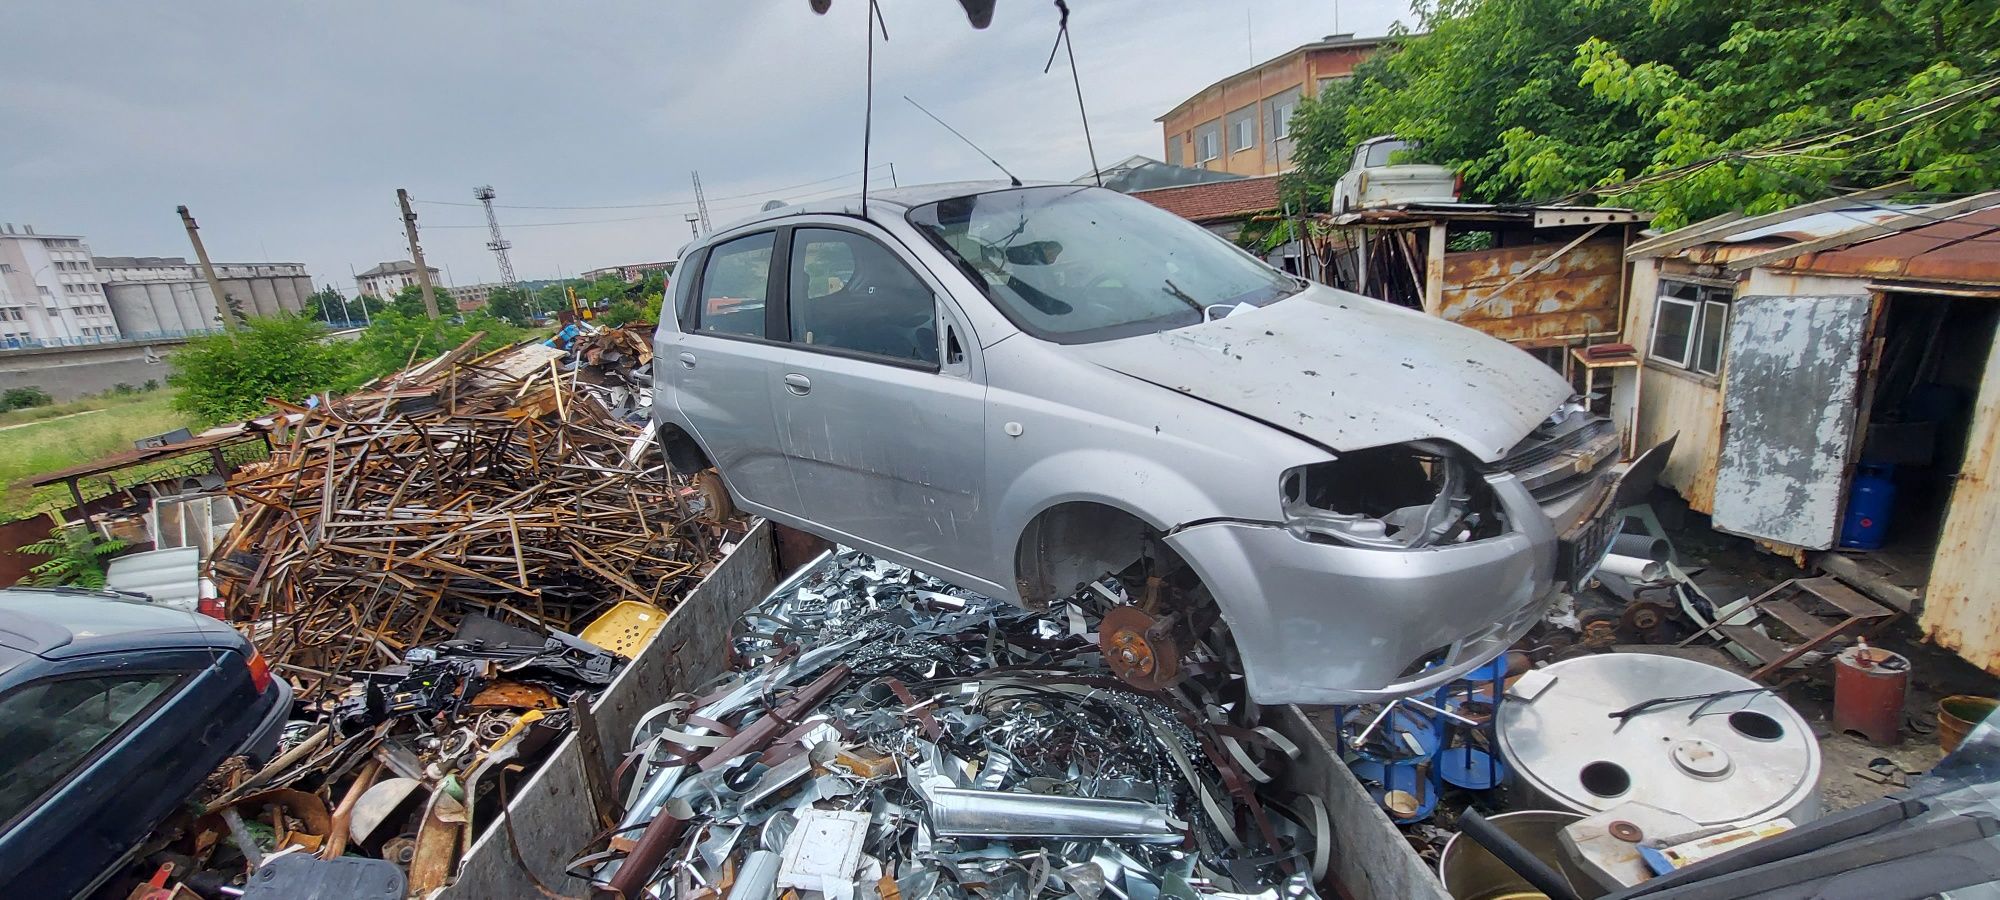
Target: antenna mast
701 204
499 245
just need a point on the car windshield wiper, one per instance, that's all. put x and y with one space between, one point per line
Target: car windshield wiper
1175 292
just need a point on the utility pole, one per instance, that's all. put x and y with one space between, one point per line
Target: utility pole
701 203
694 224
417 254
223 306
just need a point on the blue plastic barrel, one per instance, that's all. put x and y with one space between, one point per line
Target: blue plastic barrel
1869 499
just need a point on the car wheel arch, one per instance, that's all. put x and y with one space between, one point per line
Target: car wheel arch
683 452
1071 542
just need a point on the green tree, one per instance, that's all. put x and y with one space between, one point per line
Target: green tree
76 556
410 302
224 376
326 305
509 303
397 338
1534 100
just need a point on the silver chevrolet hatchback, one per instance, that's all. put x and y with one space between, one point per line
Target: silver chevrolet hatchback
1019 389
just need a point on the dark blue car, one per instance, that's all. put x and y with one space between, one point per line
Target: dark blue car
112 712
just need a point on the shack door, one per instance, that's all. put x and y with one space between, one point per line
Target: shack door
1789 397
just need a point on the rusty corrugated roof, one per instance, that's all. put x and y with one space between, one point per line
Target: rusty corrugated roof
1961 249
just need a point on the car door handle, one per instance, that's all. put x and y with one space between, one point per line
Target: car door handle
798 384
687 360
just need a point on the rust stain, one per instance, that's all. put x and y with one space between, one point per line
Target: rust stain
1961 611
1575 295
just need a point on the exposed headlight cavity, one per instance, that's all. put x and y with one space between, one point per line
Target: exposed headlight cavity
1404 497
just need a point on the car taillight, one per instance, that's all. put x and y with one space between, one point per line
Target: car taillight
260 672
1458 184
211 607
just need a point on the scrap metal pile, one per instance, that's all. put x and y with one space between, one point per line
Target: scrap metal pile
888 736
447 566
617 364
490 486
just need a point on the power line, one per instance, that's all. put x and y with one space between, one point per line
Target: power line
663 203
846 188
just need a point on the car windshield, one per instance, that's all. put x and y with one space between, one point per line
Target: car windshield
1080 264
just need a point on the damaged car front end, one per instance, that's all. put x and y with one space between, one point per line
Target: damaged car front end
1442 560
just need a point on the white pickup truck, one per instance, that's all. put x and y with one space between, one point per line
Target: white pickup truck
1373 180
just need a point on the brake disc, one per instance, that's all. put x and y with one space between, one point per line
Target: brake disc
1138 652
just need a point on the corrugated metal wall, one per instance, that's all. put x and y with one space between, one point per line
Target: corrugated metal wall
1575 295
1960 608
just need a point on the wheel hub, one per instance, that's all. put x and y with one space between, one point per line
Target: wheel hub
1137 650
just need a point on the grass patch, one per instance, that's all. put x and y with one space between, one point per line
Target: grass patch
56 410
47 446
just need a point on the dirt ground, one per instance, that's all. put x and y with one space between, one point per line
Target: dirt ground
1733 567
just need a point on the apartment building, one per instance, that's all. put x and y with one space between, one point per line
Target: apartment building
1242 123
389 278
50 294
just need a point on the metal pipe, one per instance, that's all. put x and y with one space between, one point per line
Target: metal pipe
963 812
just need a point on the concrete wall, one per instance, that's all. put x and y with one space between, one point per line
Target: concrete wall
68 373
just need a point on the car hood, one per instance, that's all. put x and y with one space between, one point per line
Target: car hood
1349 372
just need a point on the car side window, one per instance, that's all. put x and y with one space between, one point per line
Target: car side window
53 727
734 283
849 292
686 289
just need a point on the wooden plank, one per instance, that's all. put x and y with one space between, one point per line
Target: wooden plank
1804 624
1844 598
1862 576
1765 649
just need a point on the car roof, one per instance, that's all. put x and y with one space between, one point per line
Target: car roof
68 623
894 201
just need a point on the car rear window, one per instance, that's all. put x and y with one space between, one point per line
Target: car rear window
53 727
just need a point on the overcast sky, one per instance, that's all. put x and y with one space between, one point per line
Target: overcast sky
287 125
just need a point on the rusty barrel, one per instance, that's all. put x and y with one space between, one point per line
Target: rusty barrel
1870 686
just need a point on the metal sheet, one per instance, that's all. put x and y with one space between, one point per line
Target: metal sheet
1788 411
1576 294
1959 607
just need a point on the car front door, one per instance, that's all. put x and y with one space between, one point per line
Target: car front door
723 371
879 407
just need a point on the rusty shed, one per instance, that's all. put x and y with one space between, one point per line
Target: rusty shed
1548 279
1797 351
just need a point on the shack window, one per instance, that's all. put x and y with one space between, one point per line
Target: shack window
1708 339
1691 326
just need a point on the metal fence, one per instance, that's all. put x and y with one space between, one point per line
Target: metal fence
138 337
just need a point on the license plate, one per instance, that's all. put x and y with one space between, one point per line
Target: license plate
1583 548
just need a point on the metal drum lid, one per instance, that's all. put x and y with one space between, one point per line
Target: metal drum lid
1736 760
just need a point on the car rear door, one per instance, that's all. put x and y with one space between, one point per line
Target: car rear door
98 752
723 372
880 409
